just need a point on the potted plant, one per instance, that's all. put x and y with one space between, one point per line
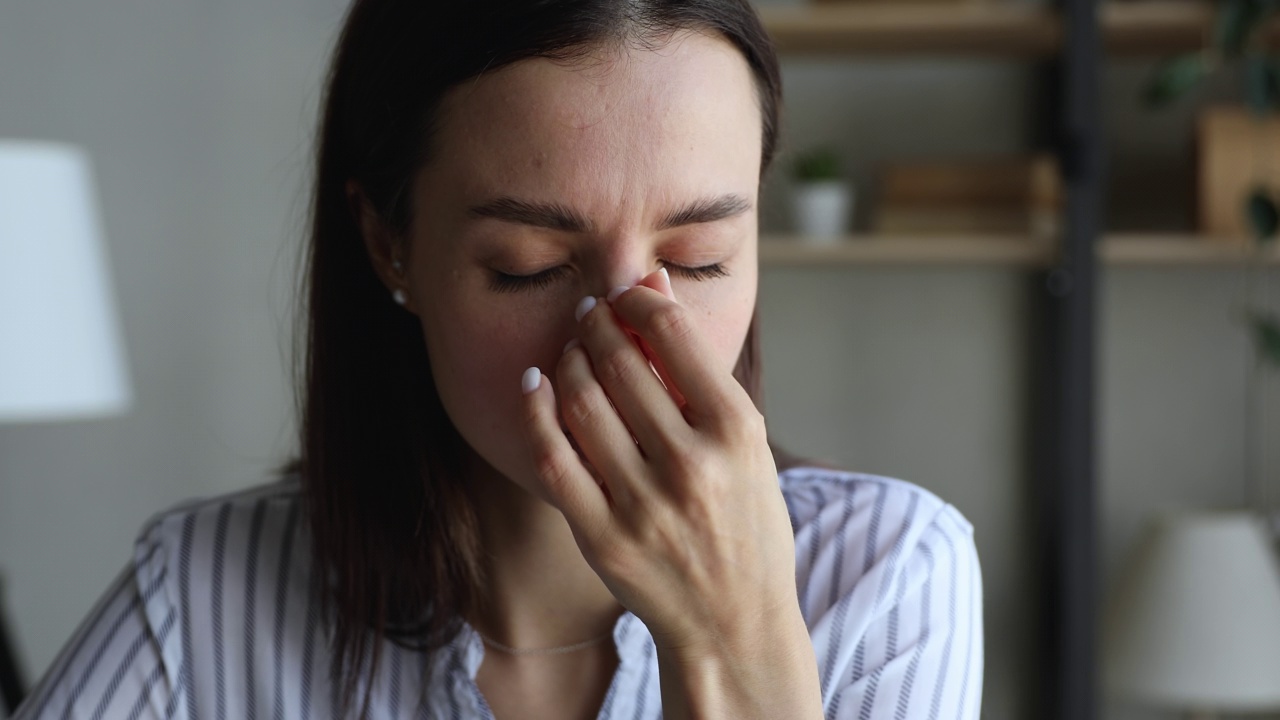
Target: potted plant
822 198
1241 38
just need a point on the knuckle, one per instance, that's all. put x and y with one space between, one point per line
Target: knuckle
616 367
736 421
552 468
580 408
673 445
691 465
670 322
747 426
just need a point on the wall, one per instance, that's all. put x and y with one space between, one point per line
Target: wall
199 116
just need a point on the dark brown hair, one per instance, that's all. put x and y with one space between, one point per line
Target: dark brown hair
393 530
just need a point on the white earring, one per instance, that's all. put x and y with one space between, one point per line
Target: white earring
399 296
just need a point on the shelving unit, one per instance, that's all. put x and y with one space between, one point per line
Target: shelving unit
914 28
1066 40
1118 250
1157 27
1140 249
1011 250
1008 28
1069 41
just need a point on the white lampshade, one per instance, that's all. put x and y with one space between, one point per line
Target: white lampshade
1195 623
61 355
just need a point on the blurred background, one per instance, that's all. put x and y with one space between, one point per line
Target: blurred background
898 343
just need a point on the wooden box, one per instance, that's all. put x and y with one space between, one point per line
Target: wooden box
1015 195
1236 151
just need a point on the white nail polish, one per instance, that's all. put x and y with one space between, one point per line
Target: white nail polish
531 381
575 342
667 276
614 293
584 307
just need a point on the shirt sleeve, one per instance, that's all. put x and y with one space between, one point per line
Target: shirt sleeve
113 666
920 653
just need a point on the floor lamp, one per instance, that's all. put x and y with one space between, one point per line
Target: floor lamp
61 351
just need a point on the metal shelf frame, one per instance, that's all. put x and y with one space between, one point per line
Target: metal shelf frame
1069 40
1062 455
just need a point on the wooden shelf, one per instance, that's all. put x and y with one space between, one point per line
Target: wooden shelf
906 28
1014 250
1139 249
1121 250
1160 27
1000 28
1153 27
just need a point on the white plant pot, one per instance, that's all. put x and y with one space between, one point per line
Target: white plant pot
823 209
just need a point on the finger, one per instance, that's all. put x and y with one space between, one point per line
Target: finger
685 356
660 280
559 472
599 431
656 363
628 379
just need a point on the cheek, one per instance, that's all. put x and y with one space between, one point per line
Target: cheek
479 356
723 317
478 353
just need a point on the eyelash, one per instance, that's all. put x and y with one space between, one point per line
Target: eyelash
504 283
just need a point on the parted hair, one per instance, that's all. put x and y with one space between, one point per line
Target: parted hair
392 525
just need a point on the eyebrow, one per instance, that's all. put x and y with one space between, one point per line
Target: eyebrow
522 212
555 216
706 210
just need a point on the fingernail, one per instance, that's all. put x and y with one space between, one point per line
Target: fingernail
584 307
571 344
614 293
531 381
667 276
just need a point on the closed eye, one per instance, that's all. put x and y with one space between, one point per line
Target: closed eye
506 283
501 282
705 272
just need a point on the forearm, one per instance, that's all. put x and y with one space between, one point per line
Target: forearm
772 673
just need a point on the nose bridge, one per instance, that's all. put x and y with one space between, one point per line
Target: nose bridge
623 259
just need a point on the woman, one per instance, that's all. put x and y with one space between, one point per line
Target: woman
533 481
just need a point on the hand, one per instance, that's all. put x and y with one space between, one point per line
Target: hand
677 505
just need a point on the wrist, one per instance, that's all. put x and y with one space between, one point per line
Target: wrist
762 670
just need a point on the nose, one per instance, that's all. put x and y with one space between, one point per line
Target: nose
626 265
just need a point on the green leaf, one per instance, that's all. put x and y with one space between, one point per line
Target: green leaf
1266 335
1173 78
1264 217
818 164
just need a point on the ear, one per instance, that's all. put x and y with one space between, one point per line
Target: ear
379 242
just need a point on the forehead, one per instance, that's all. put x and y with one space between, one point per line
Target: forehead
682 115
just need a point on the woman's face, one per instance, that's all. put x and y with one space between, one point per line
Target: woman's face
580 178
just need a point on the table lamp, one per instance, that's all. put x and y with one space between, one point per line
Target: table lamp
61 355
1194 624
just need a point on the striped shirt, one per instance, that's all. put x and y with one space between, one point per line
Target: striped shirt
215 618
